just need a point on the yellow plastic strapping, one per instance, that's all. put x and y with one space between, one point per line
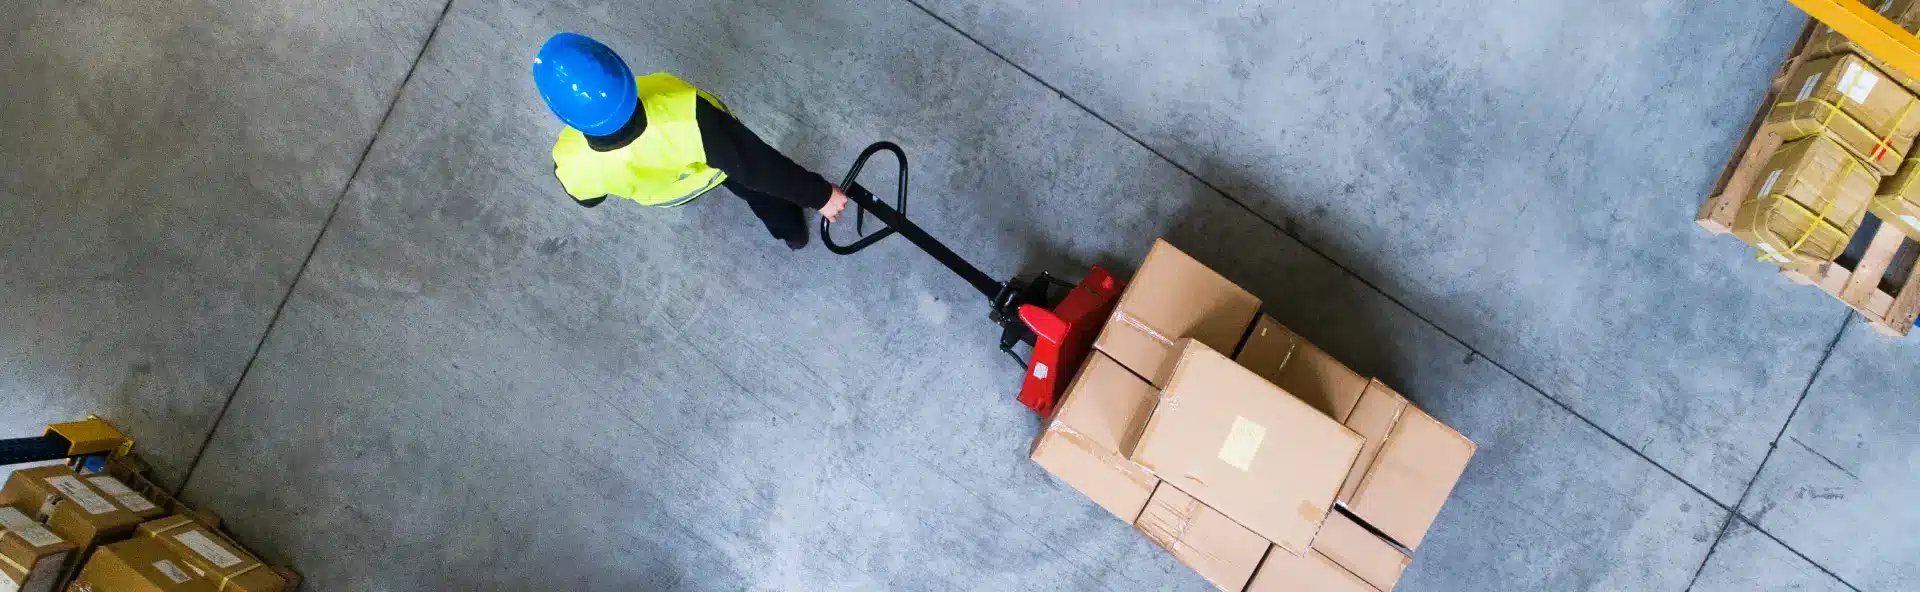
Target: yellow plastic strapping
1832 198
1882 147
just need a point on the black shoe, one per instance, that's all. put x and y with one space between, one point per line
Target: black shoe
797 243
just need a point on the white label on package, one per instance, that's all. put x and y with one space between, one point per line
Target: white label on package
7 584
1243 442
215 554
1806 89
1863 86
172 571
31 532
110 485
1767 187
1774 253
121 493
81 494
1911 221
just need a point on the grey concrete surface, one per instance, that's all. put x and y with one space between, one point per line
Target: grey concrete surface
476 385
1840 488
1514 172
1747 560
168 165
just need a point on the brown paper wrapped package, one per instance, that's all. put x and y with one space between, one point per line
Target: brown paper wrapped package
1846 99
1808 204
1899 200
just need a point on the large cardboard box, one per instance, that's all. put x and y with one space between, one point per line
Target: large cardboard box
1101 415
1173 297
1291 363
1284 572
212 556
138 565
1407 469
1847 99
1241 445
31 557
1899 200
1219 549
1809 204
70 506
1827 42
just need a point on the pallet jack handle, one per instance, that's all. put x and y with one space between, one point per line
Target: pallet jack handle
895 219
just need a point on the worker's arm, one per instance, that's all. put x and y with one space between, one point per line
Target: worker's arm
748 160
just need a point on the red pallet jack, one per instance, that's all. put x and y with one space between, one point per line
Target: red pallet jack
1058 320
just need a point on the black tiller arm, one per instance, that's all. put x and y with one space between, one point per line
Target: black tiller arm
895 218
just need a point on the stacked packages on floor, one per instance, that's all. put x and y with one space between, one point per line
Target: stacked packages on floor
93 533
1243 450
1849 128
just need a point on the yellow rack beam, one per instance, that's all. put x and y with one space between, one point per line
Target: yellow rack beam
1896 47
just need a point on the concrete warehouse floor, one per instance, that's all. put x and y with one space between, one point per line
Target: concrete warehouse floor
311 254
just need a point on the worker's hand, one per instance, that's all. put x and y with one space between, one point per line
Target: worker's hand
835 204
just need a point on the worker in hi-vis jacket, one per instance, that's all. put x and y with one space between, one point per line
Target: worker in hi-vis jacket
659 141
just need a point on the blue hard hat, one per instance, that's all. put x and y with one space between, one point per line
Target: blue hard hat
585 84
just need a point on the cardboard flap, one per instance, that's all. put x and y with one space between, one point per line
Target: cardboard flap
1102 475
1284 572
1412 477
1108 404
1359 551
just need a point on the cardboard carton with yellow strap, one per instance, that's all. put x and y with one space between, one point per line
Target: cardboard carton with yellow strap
1812 198
210 555
1899 200
1847 99
1827 42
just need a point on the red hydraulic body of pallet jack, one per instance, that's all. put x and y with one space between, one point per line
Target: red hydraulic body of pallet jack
1057 319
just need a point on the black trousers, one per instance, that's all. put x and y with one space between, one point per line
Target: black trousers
784 219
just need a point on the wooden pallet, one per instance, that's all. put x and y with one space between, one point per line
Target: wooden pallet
1873 276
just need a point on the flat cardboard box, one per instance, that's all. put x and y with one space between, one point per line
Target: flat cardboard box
1827 42
1288 361
1899 200
31 557
1407 469
1285 572
211 555
139 565
1361 552
1848 100
69 506
1173 297
1248 449
1101 413
1216 547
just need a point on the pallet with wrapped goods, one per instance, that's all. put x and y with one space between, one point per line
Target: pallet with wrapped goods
1876 276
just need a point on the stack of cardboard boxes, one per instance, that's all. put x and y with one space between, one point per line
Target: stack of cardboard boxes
93 533
1848 124
1277 468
